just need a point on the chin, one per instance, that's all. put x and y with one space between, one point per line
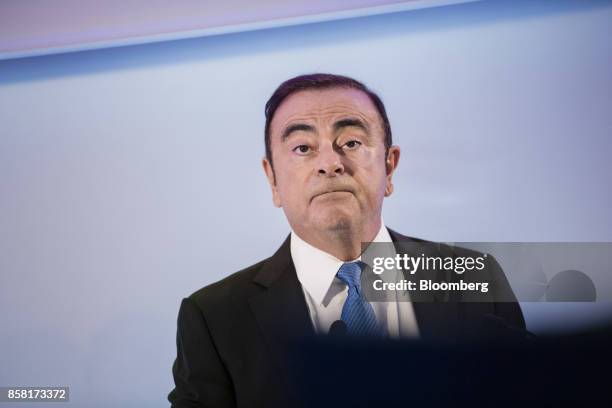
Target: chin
335 221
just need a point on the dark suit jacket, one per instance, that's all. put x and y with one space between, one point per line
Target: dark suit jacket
233 336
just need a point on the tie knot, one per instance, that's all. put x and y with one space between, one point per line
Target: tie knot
350 273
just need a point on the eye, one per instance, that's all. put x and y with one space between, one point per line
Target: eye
302 149
352 144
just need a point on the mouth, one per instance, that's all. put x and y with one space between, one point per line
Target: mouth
331 192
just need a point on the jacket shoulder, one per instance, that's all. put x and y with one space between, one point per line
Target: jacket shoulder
492 272
437 247
237 285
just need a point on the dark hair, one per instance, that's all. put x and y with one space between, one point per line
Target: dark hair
320 81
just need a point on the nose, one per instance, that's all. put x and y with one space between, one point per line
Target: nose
330 161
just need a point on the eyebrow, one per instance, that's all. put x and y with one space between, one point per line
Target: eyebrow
296 128
351 122
339 125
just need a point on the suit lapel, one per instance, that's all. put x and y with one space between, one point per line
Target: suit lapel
434 316
280 309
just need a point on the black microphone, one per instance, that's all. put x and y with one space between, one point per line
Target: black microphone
338 329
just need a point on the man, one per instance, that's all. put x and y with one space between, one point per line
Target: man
330 163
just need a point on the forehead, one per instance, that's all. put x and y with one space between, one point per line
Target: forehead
324 105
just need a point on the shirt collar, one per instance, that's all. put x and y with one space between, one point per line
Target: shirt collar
316 269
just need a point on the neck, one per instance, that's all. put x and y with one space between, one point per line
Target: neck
344 243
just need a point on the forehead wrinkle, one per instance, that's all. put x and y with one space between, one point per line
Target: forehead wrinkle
327 116
319 113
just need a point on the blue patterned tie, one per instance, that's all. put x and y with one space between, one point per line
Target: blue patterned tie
357 313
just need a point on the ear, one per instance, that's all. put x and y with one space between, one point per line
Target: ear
267 166
390 165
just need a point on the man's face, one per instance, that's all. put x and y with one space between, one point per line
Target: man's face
328 152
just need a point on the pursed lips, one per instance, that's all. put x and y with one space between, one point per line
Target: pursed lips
330 191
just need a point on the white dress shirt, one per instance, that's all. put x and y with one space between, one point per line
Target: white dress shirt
325 294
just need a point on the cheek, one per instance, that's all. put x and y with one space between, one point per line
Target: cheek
291 187
373 181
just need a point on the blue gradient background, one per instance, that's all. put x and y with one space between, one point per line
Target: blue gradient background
127 175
